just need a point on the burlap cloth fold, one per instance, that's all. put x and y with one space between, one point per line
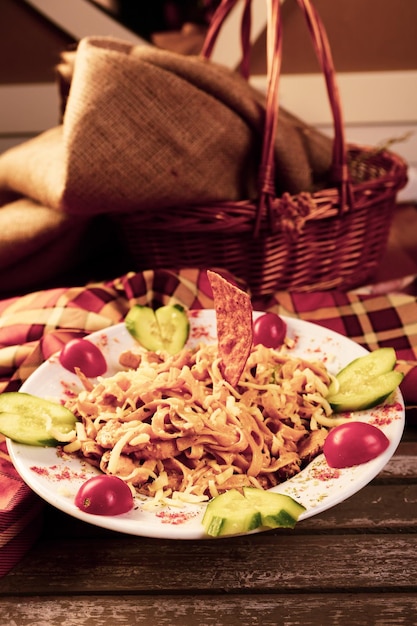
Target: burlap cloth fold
144 128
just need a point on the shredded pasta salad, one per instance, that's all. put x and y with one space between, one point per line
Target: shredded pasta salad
176 431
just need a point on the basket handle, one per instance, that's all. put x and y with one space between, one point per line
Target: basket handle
340 172
219 17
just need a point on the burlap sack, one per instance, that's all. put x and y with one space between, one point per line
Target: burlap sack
145 128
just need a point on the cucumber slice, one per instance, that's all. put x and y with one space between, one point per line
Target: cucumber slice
365 382
230 513
32 420
165 329
277 510
371 365
367 394
233 513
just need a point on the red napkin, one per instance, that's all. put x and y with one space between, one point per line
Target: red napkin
20 514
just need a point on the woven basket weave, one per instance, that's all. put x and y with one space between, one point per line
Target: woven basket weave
330 239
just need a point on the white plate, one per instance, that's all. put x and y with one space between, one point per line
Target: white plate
318 487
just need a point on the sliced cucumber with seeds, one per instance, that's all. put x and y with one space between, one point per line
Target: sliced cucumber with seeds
230 513
365 382
367 394
374 364
34 421
277 510
165 329
234 513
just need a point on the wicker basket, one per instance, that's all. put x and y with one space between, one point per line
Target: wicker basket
331 239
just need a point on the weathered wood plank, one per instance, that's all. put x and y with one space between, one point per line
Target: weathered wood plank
217 610
260 563
402 467
376 508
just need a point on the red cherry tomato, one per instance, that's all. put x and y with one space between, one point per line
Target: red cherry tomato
354 443
269 330
104 495
85 355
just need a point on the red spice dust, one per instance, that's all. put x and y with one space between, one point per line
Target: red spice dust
325 473
104 341
58 473
42 471
69 390
175 518
201 332
386 414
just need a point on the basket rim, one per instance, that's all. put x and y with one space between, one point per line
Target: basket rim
239 215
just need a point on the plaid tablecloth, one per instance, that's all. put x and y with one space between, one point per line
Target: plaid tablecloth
20 514
34 326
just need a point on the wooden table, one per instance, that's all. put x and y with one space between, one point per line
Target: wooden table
354 564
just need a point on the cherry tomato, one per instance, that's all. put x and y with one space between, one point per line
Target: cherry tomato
104 495
85 355
269 330
354 443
